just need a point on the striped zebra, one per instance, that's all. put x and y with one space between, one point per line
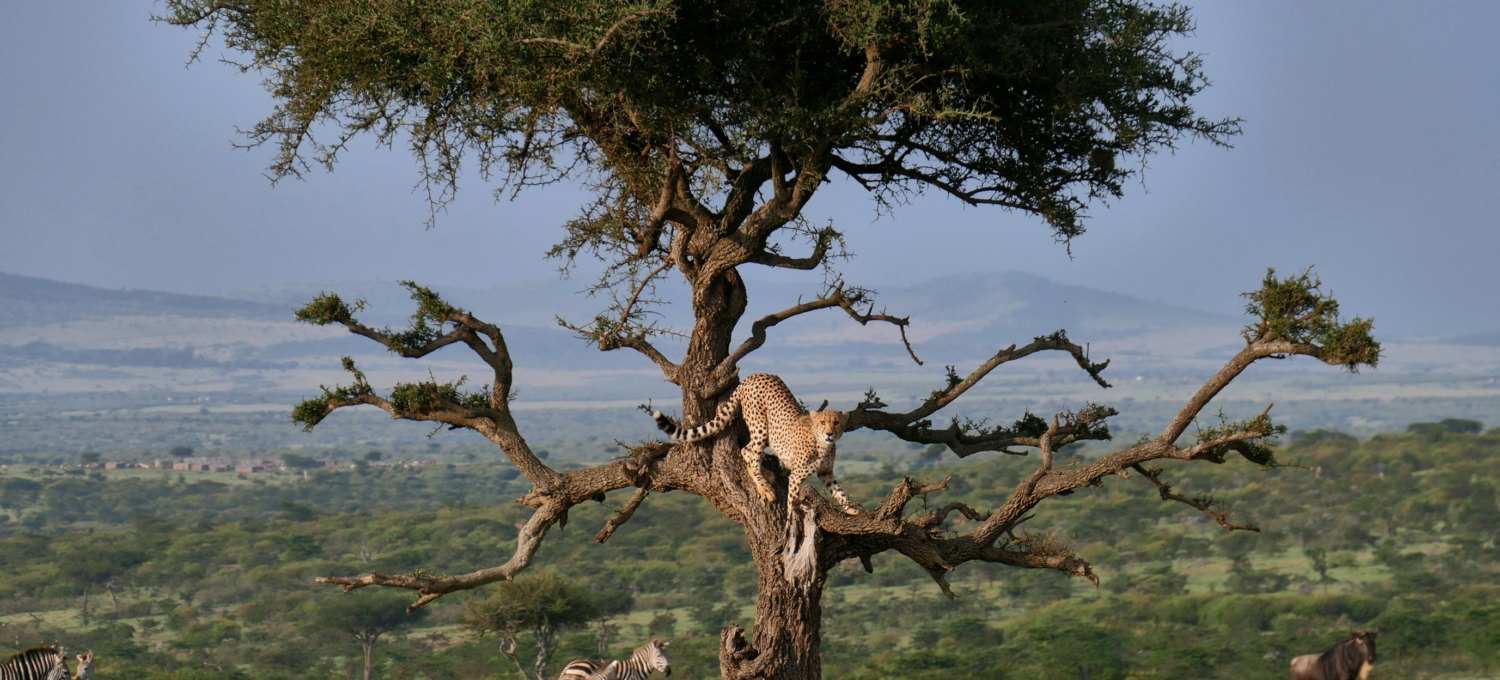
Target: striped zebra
637 667
38 663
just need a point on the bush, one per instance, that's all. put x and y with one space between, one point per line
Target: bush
1237 612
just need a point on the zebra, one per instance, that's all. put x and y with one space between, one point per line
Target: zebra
637 667
85 666
38 663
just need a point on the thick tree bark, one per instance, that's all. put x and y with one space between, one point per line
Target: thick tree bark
717 307
788 623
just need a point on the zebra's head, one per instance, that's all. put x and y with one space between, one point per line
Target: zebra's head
85 666
658 651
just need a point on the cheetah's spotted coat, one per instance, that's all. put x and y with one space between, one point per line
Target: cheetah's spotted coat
803 441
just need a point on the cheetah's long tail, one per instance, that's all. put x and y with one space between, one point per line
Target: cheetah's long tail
722 418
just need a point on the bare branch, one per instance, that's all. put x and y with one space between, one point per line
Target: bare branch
607 341
625 314
623 515
936 518
1202 503
1061 560
639 343
820 251
1253 352
431 588
907 489
836 296
913 427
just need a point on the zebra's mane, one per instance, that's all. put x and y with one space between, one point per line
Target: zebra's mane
35 652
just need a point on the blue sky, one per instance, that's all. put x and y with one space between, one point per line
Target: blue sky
1370 150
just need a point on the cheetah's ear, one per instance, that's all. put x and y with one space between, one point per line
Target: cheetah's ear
842 416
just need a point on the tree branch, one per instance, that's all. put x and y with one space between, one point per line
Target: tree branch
552 502
1048 557
967 440
836 296
1203 504
608 341
603 40
623 515
1056 341
431 588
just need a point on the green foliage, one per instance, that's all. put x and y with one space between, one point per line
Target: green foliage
310 412
328 308
299 462
1034 100
1030 425
539 601
426 397
236 591
1446 426
542 605
1297 309
427 323
362 614
1259 450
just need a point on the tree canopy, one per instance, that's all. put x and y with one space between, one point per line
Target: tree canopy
1014 103
542 605
363 619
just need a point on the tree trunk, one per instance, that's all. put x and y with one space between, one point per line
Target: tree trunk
369 646
788 615
717 307
544 640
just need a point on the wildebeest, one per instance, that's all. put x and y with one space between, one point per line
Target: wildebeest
1347 660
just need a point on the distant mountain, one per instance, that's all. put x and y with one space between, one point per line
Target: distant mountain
30 301
969 316
534 303
959 316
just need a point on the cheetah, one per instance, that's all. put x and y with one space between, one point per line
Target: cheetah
803 441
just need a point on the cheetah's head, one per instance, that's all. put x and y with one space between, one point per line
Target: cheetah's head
828 426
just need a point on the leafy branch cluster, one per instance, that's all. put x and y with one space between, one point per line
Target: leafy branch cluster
310 412
1296 309
1215 442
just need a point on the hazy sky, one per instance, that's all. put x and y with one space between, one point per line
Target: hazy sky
1370 150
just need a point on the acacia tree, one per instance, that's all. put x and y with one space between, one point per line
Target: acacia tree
362 619
544 605
705 129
